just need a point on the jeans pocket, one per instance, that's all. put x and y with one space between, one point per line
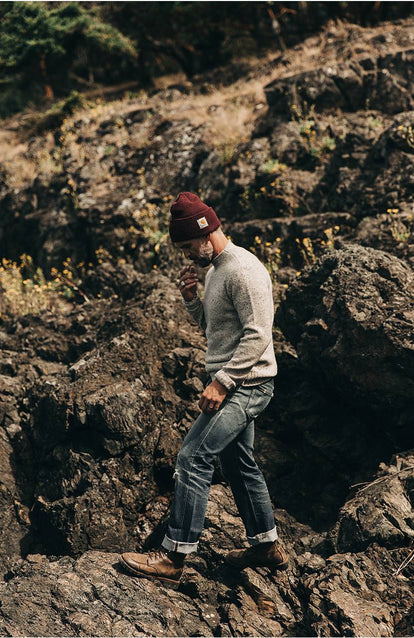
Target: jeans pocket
267 387
259 400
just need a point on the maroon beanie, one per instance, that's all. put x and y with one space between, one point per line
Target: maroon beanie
190 218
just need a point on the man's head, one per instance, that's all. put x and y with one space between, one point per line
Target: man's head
191 225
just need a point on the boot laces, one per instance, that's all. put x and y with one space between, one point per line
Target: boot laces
156 554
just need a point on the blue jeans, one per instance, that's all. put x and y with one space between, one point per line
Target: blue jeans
229 435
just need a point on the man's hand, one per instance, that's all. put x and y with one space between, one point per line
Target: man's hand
188 283
212 397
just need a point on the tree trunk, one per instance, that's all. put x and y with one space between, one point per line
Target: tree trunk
49 95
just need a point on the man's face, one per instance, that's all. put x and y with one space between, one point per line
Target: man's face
199 250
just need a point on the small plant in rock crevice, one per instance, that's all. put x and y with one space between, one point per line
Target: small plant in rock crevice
375 122
273 255
273 166
306 250
407 134
228 150
277 195
269 253
318 141
311 249
401 230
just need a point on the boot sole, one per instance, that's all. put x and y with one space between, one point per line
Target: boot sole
168 582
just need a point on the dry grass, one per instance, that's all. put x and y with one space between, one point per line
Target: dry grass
225 116
24 289
19 170
21 163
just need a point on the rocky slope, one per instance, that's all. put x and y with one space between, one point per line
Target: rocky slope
313 172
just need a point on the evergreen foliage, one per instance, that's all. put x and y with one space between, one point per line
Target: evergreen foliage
41 44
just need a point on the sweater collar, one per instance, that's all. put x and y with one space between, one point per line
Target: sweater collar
223 254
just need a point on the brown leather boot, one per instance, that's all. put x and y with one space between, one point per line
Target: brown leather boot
158 564
262 555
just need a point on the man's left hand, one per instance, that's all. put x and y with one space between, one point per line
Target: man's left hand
212 397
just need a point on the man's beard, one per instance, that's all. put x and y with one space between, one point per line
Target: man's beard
202 261
205 256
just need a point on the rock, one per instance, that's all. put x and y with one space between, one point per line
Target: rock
180 153
384 81
95 589
289 146
370 171
92 596
347 598
96 436
347 593
13 528
102 436
214 179
350 319
283 234
182 362
326 429
381 512
391 231
316 87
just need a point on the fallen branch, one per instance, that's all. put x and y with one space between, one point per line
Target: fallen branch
72 284
405 562
381 478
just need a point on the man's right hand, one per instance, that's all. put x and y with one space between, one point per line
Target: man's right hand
188 277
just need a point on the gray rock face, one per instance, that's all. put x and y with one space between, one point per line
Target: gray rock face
103 444
370 174
351 321
88 441
386 81
340 594
381 512
346 318
353 590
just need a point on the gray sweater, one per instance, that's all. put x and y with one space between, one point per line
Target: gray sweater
237 316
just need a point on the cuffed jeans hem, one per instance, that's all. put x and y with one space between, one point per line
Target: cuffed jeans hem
264 537
178 546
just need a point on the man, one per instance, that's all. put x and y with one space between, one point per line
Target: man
237 317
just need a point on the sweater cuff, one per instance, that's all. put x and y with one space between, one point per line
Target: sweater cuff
192 305
225 380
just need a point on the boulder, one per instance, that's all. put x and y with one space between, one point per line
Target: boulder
105 435
353 596
381 512
92 424
350 318
354 591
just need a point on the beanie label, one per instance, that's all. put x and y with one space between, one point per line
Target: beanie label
202 222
